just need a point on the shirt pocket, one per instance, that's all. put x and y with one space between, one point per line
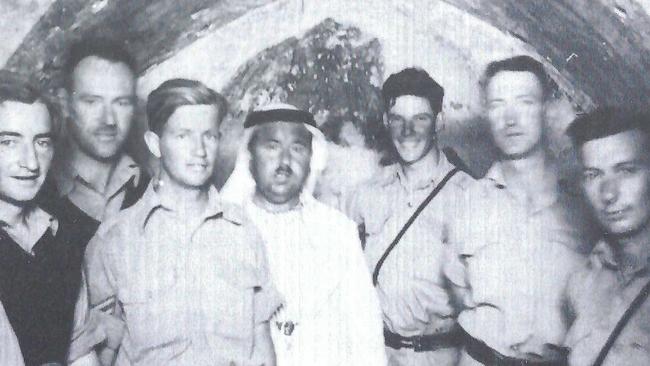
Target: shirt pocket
153 319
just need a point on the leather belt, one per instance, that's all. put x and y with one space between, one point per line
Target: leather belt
488 356
424 343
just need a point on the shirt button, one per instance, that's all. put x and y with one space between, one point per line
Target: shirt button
410 204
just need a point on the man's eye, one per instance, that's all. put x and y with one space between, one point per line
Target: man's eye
125 102
181 136
272 145
589 175
90 101
46 143
8 142
299 148
629 170
395 120
422 119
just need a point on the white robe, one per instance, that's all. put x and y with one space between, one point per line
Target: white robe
317 264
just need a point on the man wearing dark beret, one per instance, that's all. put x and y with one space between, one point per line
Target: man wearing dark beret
424 188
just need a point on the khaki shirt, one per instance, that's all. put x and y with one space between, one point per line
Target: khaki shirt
411 287
510 263
189 295
72 184
598 296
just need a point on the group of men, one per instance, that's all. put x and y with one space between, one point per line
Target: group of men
422 265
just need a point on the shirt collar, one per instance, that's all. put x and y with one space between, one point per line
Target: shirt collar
125 170
39 220
496 176
155 198
444 166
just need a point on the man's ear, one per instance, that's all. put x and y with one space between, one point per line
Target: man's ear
440 122
384 119
153 143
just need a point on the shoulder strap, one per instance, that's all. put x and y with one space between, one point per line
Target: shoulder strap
634 306
421 207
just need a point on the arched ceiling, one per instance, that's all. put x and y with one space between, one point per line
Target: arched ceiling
601 46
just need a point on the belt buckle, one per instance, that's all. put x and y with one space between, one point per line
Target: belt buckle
416 342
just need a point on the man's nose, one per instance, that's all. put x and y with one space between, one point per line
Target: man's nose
199 147
29 158
510 116
408 128
109 115
285 156
609 190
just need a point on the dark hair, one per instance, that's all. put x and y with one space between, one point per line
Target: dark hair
174 93
520 63
104 48
607 121
413 81
18 88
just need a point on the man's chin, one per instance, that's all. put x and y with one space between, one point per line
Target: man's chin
408 158
625 231
106 152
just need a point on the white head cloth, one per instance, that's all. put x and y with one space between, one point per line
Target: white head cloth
240 186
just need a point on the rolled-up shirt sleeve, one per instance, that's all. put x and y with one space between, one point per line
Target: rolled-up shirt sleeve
95 322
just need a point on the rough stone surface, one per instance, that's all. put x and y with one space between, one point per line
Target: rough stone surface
602 47
152 29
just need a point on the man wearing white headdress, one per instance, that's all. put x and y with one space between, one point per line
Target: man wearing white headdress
331 313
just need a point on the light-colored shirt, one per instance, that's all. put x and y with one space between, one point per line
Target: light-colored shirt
510 262
317 265
598 296
190 294
413 295
71 183
9 350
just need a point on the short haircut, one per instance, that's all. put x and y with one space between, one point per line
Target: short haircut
103 48
174 93
18 88
607 121
412 81
522 64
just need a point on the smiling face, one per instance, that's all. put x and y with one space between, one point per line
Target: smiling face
616 180
102 100
188 146
412 126
26 149
280 157
515 110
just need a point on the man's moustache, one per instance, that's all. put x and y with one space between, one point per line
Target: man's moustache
284 169
106 130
